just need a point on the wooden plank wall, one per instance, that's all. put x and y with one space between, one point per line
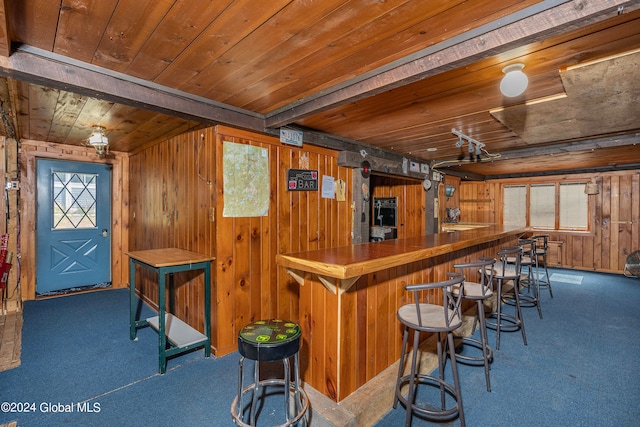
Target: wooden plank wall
412 203
30 151
172 197
249 284
614 215
477 202
173 205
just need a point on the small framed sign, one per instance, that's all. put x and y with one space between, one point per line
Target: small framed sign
291 137
302 180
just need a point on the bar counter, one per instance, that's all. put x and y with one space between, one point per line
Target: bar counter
348 263
349 297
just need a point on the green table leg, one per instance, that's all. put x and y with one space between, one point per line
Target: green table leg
162 337
163 287
207 308
132 300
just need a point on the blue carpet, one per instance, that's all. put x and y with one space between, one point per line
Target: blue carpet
76 350
580 367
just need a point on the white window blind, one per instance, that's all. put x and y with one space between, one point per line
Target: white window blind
567 208
515 205
543 206
573 206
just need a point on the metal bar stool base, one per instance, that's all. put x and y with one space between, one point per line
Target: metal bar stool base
473 360
527 301
545 283
270 340
508 323
444 414
300 402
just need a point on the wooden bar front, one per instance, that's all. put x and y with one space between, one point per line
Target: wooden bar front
350 295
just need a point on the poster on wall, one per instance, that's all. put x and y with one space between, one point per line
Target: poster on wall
245 180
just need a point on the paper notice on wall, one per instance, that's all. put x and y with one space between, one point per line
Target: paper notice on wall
341 190
328 187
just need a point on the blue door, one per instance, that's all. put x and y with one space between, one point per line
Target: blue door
73 225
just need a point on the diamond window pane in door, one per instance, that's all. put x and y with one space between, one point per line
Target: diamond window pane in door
74 200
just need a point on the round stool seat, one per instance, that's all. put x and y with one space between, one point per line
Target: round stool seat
473 291
269 340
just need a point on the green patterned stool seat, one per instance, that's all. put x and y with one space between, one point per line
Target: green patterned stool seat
269 340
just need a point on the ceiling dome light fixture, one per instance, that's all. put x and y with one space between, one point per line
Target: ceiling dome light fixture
99 141
514 81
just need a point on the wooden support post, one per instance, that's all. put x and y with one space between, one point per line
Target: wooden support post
9 222
361 205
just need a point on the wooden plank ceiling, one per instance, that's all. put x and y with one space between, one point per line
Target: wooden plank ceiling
395 75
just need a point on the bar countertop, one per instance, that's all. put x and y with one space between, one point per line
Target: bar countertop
349 262
343 330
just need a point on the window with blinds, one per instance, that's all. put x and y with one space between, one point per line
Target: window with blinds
574 206
553 206
515 205
542 205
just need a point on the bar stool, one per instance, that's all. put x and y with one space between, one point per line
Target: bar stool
478 292
505 272
542 247
268 341
529 260
438 319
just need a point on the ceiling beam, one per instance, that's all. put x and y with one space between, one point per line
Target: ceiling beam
398 167
563 148
58 72
571 147
598 169
537 22
333 142
467 176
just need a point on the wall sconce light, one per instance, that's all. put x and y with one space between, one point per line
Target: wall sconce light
99 141
514 81
449 190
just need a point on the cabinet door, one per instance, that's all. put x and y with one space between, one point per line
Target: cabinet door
554 256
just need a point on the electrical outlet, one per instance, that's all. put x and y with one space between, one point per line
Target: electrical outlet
13 185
